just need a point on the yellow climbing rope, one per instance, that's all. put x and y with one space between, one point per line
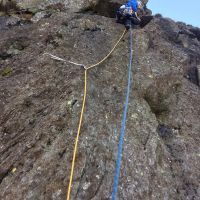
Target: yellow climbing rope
92 66
77 137
82 113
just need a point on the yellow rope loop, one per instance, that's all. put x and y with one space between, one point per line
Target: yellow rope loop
92 66
82 113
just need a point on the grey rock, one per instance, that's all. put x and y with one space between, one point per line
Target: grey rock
40 104
198 68
38 16
12 21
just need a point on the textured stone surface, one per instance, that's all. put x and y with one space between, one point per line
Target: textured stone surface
40 103
73 5
198 68
103 7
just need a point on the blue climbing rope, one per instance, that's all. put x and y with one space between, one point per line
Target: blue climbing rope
123 125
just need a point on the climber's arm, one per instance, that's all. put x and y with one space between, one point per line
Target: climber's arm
137 16
134 7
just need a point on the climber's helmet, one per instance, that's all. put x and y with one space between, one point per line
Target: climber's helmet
139 4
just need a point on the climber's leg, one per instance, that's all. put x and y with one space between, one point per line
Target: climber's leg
118 16
128 23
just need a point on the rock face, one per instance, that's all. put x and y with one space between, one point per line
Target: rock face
40 103
102 7
73 5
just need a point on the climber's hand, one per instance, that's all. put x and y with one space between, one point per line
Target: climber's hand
137 17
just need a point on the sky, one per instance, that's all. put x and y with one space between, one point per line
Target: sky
187 11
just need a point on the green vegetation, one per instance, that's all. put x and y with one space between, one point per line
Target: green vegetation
7 71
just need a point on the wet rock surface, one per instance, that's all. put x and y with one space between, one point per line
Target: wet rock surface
40 103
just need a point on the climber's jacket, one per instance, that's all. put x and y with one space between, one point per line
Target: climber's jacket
129 9
132 4
127 14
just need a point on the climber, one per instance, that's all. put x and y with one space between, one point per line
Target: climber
127 14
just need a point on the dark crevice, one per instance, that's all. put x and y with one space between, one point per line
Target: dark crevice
146 141
5 55
4 174
196 32
49 142
8 6
191 71
61 154
164 131
192 75
107 8
145 20
104 8
158 107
